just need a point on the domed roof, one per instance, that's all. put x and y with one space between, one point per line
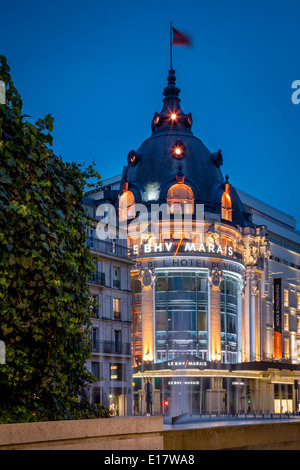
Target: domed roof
173 151
157 167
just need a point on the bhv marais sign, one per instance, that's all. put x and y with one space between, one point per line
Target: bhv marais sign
186 247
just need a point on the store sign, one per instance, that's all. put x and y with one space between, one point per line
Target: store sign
187 364
186 247
183 382
277 318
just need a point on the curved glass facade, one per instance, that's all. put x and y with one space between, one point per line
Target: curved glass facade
229 318
182 312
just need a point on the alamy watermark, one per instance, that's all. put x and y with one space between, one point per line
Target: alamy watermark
160 229
138 220
296 94
2 92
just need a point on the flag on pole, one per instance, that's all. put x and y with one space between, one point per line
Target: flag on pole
181 39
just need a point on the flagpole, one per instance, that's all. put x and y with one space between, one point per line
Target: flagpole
171 65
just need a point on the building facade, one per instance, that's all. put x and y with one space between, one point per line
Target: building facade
110 288
215 286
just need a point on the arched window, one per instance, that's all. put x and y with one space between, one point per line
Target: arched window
127 206
180 198
226 204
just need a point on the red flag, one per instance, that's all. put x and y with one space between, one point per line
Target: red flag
181 39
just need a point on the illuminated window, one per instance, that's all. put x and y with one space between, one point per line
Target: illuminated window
286 348
115 371
298 301
286 297
95 370
127 206
226 204
180 199
298 324
117 308
286 321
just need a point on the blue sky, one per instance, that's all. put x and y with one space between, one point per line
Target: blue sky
100 68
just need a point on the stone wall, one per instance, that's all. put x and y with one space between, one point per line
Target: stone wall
138 433
146 433
274 436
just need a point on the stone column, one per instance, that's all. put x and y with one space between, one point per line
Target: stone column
147 280
246 318
240 293
253 316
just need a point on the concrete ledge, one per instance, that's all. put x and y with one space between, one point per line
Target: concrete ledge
275 436
137 433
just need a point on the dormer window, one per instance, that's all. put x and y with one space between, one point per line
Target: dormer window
127 206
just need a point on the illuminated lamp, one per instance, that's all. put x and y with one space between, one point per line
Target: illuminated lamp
148 357
173 116
156 118
178 150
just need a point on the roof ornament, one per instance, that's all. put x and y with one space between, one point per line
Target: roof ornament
227 184
180 176
217 158
172 118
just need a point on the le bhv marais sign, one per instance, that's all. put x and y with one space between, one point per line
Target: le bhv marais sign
207 260
191 247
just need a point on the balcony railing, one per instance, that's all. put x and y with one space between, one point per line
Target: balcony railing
98 278
108 247
117 283
111 347
117 316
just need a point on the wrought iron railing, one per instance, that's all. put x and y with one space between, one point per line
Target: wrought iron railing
111 347
97 278
107 247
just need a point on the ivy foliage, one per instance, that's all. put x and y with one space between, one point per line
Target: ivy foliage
45 303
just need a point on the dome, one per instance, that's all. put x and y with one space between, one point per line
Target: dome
171 154
157 167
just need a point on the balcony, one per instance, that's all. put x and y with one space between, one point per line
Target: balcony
98 279
111 347
117 316
116 283
107 247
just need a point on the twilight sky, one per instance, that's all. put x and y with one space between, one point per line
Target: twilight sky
100 68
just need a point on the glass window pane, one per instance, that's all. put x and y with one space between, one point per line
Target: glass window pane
161 322
161 284
202 325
